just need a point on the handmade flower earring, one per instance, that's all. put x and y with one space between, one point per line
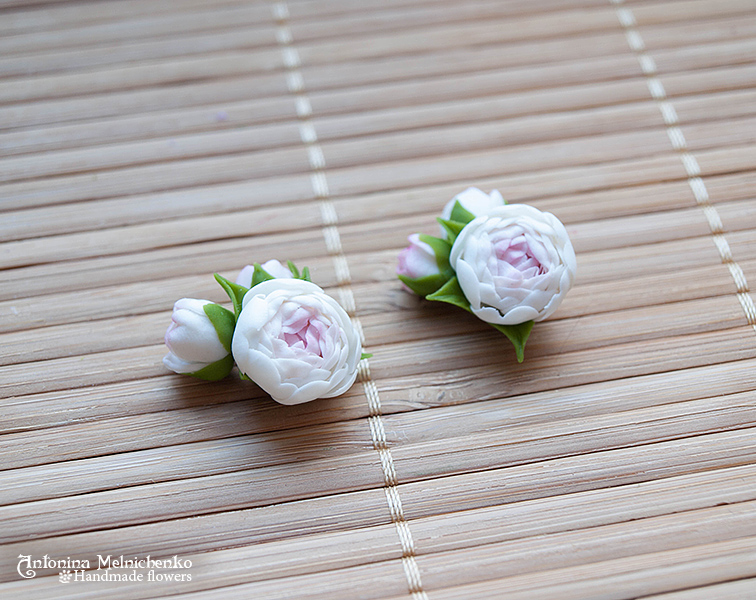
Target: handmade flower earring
508 264
285 334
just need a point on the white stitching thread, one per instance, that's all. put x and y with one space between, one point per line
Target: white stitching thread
294 81
635 40
669 114
329 220
656 88
648 65
690 164
304 108
677 138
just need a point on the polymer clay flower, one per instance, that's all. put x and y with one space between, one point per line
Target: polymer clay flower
295 341
509 265
514 264
194 345
474 201
285 334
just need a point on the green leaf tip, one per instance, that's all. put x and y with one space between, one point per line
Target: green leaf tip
424 286
235 292
460 214
518 335
365 355
259 275
452 228
215 371
293 269
451 293
304 275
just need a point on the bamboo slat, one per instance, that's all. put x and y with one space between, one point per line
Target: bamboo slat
146 145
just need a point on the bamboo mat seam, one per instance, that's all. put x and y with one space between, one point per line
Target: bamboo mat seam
634 38
297 87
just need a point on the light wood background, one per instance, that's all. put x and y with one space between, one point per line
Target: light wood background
146 145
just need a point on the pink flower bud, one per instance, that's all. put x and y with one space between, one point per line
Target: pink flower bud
192 341
417 260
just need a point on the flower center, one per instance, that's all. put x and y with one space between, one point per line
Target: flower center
304 331
515 253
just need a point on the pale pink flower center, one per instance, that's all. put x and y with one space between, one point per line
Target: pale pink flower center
515 253
304 331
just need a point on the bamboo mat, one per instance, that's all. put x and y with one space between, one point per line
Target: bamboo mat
146 145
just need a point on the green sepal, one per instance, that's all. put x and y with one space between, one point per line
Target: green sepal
442 250
452 228
259 275
293 269
365 355
304 275
518 335
244 377
215 371
460 214
451 293
424 286
235 292
224 322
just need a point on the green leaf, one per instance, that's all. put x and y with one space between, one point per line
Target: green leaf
259 275
244 377
306 274
451 293
235 292
460 214
293 269
518 335
452 228
423 286
365 355
442 250
224 322
215 371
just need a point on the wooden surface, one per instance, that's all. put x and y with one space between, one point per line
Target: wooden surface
146 145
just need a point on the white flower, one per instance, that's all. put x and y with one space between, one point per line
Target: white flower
514 264
474 201
272 267
296 342
191 338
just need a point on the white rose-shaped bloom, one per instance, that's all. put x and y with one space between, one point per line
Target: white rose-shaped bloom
296 342
474 201
514 264
192 341
272 267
